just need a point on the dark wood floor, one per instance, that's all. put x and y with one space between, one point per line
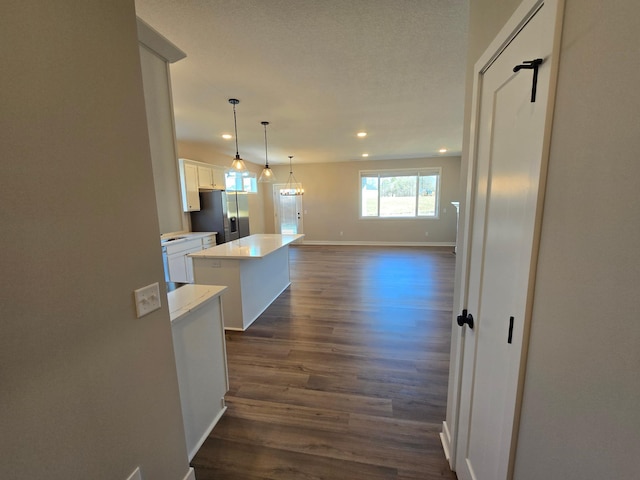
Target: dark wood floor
345 375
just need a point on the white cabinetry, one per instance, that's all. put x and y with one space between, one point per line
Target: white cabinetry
255 270
201 359
208 242
205 177
189 184
210 177
180 266
195 176
218 178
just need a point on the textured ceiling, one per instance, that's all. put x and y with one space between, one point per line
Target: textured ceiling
319 71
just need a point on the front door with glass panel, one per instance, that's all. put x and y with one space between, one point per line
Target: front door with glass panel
287 211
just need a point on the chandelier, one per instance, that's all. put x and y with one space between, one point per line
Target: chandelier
292 186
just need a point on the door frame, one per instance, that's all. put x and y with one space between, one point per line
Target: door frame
276 206
521 16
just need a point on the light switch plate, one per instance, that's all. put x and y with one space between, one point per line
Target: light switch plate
147 299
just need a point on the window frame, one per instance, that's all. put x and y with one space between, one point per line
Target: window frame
243 176
417 172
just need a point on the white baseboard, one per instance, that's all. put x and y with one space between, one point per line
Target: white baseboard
370 243
135 475
191 474
202 439
445 439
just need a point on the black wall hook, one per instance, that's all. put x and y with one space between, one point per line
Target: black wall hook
531 65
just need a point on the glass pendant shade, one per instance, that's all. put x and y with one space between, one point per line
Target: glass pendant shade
267 175
237 164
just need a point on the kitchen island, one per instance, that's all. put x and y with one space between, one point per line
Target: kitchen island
255 270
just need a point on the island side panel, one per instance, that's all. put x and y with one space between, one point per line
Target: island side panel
201 363
263 280
217 271
224 351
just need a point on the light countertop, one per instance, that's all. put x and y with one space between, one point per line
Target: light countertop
179 237
253 246
190 297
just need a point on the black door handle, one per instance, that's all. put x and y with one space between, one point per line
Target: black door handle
531 65
465 318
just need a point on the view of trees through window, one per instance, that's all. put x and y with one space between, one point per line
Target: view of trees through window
400 194
241 182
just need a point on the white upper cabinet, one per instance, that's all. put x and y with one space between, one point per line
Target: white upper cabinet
189 186
218 177
205 177
195 176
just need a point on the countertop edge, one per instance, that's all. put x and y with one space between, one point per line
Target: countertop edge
187 236
212 255
189 298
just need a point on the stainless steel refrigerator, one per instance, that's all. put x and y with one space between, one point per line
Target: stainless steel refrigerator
238 211
224 212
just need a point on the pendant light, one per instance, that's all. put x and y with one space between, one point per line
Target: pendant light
291 188
267 175
237 164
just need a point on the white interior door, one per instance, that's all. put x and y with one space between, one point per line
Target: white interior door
509 169
287 211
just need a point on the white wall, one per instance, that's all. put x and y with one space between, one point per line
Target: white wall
332 203
87 390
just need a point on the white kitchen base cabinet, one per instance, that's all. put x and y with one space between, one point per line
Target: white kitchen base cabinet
201 358
179 264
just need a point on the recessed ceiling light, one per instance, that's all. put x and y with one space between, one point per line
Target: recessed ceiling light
362 134
443 150
365 154
226 136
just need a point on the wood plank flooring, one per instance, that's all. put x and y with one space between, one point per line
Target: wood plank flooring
345 375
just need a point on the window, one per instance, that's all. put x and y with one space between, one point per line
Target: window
241 182
400 193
